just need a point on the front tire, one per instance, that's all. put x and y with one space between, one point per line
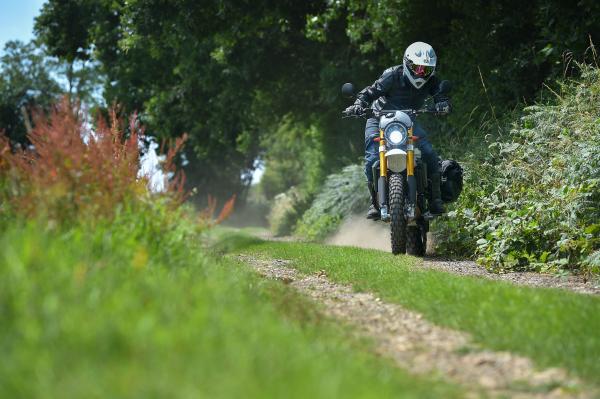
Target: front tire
398 188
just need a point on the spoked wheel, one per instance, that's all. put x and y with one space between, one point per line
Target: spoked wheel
415 242
398 188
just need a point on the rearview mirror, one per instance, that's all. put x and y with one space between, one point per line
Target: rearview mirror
348 90
445 87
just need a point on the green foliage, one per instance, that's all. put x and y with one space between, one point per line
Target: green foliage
137 309
26 82
237 77
513 47
226 77
294 166
539 208
342 194
592 263
98 274
286 209
64 27
293 157
452 233
31 81
552 327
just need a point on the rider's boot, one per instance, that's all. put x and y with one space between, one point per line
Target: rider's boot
436 207
373 212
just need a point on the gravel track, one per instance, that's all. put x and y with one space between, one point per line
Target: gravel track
469 268
421 347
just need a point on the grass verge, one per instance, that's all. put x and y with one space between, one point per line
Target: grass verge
135 308
552 327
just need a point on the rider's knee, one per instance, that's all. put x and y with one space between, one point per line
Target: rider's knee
370 160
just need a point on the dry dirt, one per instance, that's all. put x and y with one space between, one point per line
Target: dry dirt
422 347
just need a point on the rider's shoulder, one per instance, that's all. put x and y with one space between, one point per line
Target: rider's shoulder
392 74
393 70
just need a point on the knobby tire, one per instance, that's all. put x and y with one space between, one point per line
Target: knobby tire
398 188
414 241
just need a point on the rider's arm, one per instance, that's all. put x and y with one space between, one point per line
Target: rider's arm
379 88
434 89
441 100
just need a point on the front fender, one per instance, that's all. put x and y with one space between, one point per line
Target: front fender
396 160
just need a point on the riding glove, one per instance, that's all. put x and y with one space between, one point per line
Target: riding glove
443 107
354 110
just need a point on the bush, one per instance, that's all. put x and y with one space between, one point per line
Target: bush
72 171
293 159
286 209
540 208
343 194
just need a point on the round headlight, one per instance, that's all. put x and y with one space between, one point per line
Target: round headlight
395 134
396 137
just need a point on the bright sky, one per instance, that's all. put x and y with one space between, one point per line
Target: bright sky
16 19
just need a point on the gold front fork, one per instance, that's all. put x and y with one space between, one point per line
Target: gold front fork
382 159
410 155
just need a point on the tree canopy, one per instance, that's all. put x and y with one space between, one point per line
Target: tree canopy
232 73
25 83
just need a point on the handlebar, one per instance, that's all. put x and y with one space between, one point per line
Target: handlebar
370 113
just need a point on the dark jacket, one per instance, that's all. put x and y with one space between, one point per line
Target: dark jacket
394 91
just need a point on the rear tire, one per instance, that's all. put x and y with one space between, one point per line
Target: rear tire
414 241
398 188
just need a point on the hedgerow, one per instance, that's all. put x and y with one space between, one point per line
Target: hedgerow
537 204
342 194
286 209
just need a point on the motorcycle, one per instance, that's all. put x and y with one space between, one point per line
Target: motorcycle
403 188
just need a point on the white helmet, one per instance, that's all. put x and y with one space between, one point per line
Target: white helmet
419 63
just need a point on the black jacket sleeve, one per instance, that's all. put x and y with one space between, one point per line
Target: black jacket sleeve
379 88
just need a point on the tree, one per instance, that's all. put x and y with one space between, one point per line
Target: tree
26 83
224 72
63 26
511 46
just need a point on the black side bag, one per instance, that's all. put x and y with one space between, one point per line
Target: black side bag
452 180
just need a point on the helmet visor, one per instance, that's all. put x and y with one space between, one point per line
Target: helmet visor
420 71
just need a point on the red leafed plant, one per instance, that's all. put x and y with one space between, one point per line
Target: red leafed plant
176 184
72 169
207 214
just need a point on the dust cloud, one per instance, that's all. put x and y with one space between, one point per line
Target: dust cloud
356 231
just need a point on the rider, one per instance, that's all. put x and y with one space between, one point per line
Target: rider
403 87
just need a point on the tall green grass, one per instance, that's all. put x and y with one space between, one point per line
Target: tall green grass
134 308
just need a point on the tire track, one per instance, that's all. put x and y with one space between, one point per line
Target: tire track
421 347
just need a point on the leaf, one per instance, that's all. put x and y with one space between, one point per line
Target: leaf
592 229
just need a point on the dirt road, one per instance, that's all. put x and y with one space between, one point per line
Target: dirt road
422 347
